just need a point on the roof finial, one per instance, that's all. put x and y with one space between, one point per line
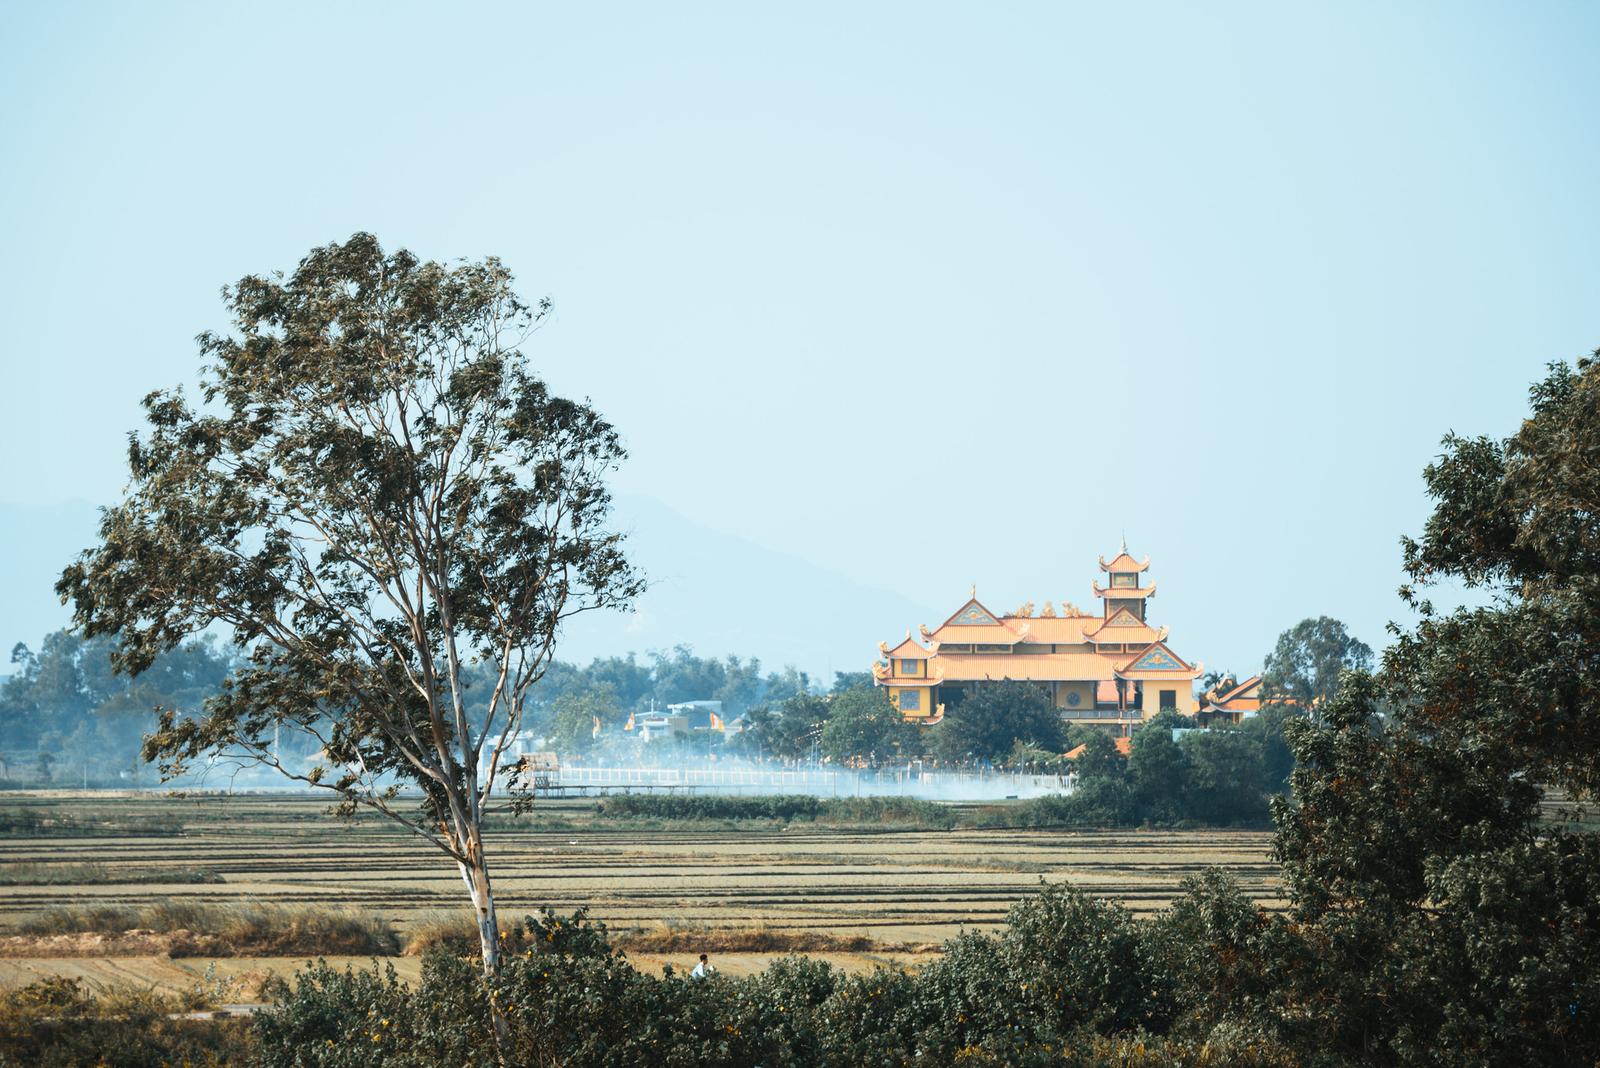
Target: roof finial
1124 541
974 591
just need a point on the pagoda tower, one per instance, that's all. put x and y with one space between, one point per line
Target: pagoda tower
1124 592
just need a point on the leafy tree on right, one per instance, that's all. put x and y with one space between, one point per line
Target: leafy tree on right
1435 916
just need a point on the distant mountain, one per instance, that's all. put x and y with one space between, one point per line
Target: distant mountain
723 594
713 591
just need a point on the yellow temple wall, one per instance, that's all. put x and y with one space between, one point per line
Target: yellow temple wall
1187 703
926 704
1084 690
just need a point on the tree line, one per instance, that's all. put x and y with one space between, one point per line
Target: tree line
66 714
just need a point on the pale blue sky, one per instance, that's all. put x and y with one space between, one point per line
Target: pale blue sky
925 294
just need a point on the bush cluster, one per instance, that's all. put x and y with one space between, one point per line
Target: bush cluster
59 1023
1070 980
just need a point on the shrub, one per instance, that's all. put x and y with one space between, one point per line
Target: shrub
56 1023
1068 982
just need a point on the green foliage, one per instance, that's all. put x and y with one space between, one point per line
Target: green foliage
1158 771
1309 658
577 719
373 493
863 726
1069 980
900 811
710 807
1223 780
789 730
60 1023
84 720
989 722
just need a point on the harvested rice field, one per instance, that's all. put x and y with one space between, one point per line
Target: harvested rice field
893 890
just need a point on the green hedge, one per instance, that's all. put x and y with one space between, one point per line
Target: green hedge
900 811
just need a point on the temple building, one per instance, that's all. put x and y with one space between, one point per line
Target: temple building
1230 702
1112 670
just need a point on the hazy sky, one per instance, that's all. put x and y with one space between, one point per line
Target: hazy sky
925 294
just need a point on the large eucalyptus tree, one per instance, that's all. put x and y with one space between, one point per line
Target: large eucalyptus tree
375 497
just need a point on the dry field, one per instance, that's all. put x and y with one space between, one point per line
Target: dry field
899 887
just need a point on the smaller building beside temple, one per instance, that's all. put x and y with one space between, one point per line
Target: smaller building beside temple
1112 669
1230 702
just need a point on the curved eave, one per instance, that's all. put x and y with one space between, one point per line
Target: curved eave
1125 592
910 683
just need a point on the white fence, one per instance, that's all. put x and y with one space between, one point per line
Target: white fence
823 781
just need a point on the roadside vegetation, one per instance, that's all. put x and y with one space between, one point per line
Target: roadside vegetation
199 929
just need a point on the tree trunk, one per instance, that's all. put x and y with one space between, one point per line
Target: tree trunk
476 875
475 872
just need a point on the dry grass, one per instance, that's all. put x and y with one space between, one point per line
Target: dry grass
205 929
453 932
820 885
456 933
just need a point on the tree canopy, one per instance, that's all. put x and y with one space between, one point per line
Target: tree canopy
1306 664
988 723
863 725
373 493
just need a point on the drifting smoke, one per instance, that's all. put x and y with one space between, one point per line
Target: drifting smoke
739 778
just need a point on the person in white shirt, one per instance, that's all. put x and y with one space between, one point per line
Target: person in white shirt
703 970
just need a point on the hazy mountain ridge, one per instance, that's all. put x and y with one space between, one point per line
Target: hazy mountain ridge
710 590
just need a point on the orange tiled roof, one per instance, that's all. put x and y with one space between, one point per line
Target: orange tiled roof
1124 747
1123 626
1241 697
969 634
1252 683
1065 630
908 650
1116 592
1124 562
1029 667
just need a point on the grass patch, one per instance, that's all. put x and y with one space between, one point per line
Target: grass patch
241 929
30 873
779 808
30 822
